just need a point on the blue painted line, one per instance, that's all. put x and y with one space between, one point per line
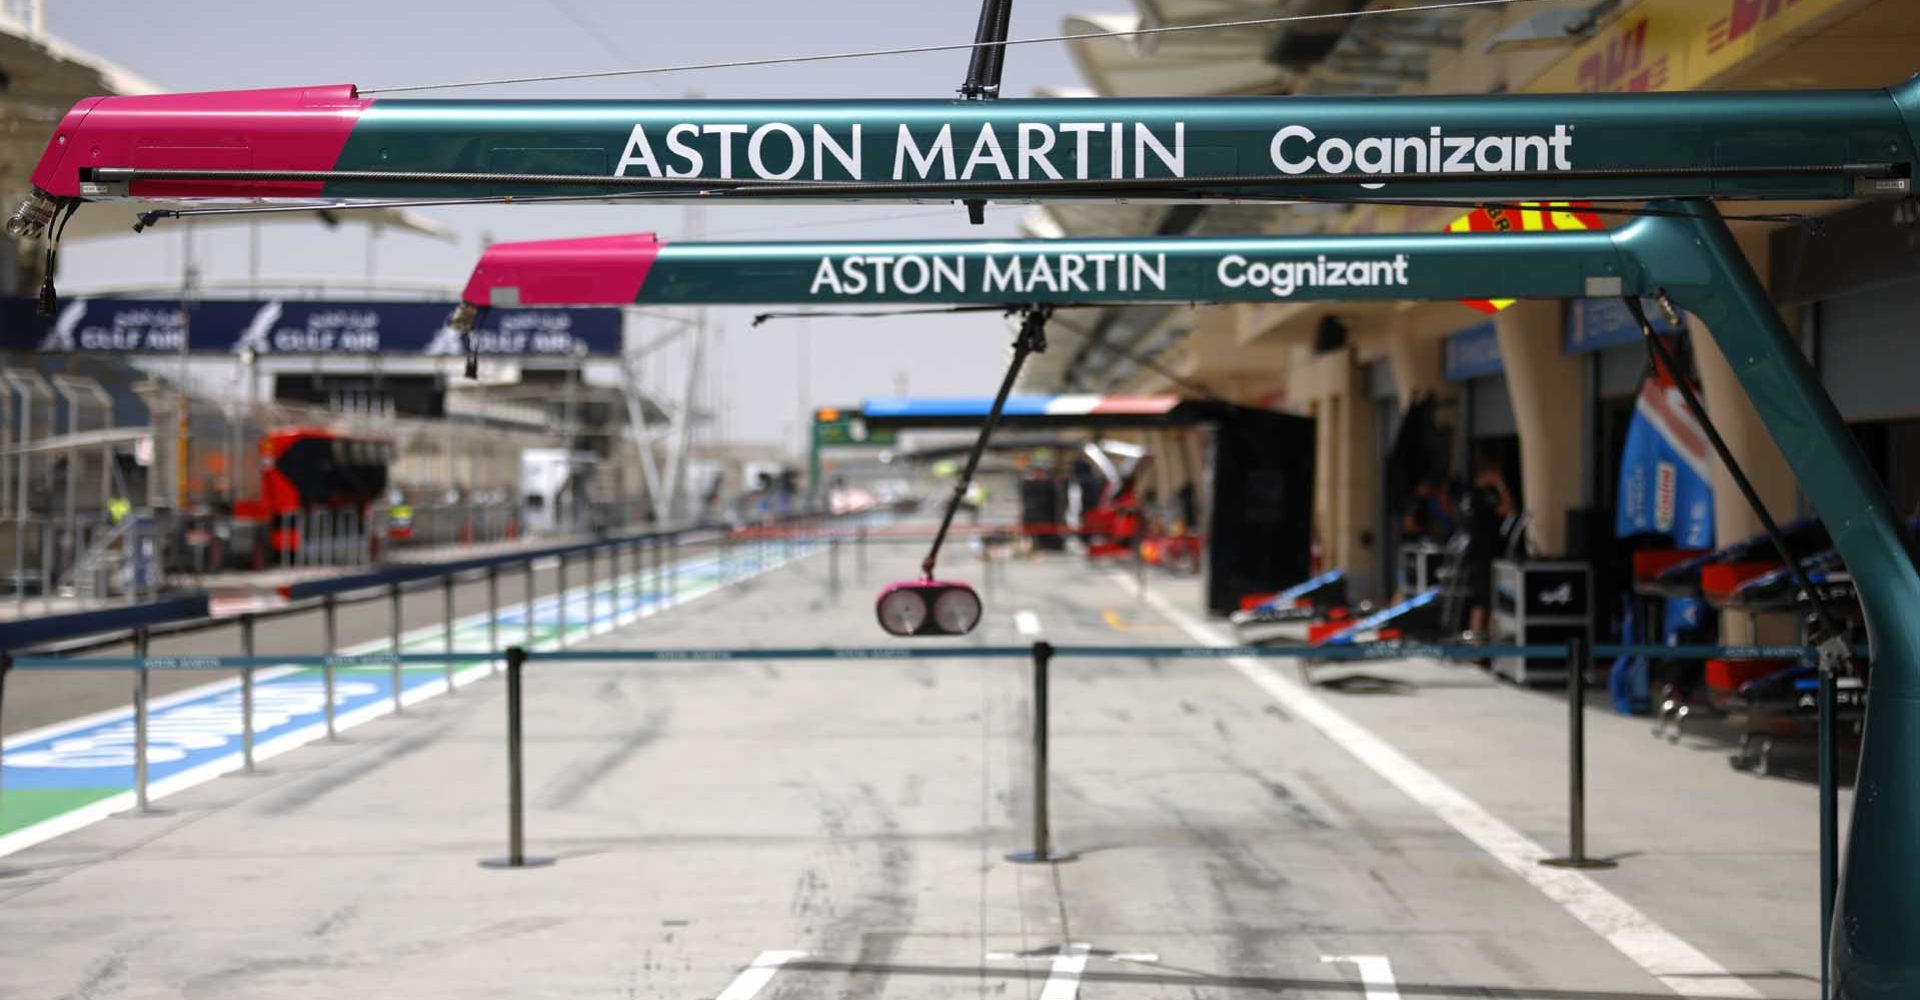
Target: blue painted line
201 730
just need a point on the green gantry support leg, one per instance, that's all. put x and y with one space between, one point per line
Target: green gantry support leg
1876 929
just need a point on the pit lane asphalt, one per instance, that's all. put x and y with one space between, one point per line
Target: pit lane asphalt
707 817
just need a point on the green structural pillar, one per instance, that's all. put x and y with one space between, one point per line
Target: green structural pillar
1876 929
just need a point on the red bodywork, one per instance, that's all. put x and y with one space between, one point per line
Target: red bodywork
304 469
588 271
290 128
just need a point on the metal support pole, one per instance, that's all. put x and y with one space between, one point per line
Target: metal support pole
592 564
1832 653
330 619
833 564
493 617
6 665
246 693
516 799
140 721
530 633
560 595
613 579
446 627
860 552
1577 763
1042 851
393 600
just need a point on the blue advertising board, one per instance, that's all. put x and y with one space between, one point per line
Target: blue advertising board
1473 352
1599 323
294 326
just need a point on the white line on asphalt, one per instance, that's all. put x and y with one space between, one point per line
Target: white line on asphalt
1063 980
1026 622
1684 969
755 977
1376 974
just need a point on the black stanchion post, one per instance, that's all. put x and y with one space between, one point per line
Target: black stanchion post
330 623
1577 763
246 693
1042 851
446 629
516 784
140 646
1832 656
393 599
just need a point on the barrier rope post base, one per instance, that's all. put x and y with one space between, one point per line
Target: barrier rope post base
1042 851
1577 765
516 799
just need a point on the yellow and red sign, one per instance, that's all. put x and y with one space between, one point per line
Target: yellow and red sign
1526 217
1681 44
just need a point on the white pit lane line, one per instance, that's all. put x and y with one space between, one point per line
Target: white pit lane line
1681 967
1376 974
755 977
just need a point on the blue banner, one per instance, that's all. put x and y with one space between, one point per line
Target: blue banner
1665 487
298 326
1473 352
1599 323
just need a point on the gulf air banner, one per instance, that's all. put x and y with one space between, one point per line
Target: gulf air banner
86 325
1527 217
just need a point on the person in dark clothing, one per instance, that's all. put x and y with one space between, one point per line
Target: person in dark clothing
1489 505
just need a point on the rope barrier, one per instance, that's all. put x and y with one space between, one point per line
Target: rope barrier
1371 652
